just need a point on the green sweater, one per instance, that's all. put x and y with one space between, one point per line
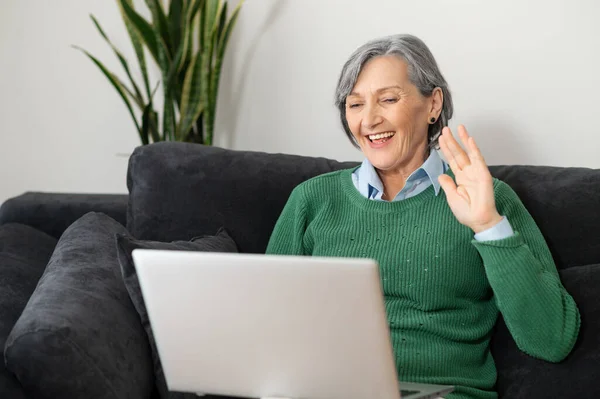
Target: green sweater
443 290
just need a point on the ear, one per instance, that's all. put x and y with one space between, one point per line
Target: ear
437 101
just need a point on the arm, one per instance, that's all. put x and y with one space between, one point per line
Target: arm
288 235
541 316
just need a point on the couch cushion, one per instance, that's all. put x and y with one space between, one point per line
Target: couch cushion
221 242
564 203
79 336
182 190
24 253
522 376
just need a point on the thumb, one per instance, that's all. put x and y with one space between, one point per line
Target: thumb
448 186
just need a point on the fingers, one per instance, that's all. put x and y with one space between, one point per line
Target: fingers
448 186
456 156
453 193
454 153
473 151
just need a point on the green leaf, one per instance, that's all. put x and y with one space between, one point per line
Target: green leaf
201 29
177 19
213 7
224 36
195 6
222 20
192 12
117 85
138 95
150 119
136 42
207 82
226 33
160 23
146 124
142 27
191 101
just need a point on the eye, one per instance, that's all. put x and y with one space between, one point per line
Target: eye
390 100
356 105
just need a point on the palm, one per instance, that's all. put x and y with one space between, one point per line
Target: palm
471 197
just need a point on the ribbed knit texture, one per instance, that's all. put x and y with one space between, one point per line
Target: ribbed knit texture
443 289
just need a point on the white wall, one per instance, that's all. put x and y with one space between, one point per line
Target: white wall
523 76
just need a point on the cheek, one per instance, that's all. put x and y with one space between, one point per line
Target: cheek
353 123
408 116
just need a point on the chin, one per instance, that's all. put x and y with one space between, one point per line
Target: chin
383 163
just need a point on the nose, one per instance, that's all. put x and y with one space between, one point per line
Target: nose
371 117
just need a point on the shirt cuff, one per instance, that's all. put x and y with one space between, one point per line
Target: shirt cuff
500 231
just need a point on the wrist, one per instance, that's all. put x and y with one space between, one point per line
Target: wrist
478 228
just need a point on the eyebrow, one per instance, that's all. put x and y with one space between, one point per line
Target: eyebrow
378 90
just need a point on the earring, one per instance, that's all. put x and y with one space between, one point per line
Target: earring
432 119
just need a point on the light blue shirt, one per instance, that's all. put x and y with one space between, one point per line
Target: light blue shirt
367 182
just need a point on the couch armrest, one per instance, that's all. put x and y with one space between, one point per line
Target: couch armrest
52 213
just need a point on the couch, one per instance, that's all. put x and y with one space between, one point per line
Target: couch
177 191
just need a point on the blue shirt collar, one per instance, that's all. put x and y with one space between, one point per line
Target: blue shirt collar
433 167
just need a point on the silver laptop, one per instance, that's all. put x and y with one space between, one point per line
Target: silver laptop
265 326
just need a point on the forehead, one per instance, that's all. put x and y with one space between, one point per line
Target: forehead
381 72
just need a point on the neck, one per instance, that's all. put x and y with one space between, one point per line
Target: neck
394 180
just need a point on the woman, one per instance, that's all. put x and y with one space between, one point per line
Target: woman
455 246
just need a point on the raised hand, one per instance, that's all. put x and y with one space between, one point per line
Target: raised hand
471 198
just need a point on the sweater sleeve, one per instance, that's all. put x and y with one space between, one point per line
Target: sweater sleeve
287 237
540 314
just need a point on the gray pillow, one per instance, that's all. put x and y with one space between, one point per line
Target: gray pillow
221 242
24 253
79 335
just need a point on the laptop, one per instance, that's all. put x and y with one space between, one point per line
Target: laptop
271 326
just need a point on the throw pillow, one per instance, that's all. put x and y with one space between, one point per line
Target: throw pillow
221 242
24 253
522 376
79 335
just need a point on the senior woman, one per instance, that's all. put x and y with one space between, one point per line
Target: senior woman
455 246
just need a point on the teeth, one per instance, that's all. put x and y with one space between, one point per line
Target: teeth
381 135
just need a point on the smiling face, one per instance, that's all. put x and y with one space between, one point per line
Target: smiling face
389 117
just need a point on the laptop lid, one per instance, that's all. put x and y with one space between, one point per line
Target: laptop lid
253 325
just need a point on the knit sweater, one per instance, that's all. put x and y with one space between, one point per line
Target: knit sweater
443 290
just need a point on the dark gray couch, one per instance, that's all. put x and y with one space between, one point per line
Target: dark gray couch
178 191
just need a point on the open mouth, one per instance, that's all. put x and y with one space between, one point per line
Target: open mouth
380 138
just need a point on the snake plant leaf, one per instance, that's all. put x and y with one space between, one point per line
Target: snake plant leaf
208 75
226 33
137 97
214 85
176 19
152 118
142 27
146 124
159 32
212 9
191 100
136 42
117 84
222 20
160 23
194 7
150 121
192 11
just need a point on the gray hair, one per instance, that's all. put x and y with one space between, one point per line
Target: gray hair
423 72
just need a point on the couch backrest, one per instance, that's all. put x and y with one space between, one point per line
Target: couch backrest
180 190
